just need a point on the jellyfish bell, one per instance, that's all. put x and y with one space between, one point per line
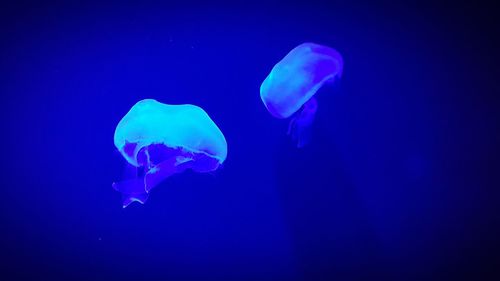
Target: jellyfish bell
290 87
160 140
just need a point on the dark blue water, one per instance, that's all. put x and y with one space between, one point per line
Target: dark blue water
398 182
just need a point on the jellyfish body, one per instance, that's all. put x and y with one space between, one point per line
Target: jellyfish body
160 140
293 81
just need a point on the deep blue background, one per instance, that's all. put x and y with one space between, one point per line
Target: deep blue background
399 182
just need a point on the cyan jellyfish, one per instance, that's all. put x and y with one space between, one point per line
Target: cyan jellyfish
289 88
159 140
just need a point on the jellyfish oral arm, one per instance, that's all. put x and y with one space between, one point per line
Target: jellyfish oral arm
137 189
163 170
132 191
299 127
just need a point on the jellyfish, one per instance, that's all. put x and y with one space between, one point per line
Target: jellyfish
289 89
159 140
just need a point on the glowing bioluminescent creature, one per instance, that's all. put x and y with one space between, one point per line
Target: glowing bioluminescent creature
161 140
294 80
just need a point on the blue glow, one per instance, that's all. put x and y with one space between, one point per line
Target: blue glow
294 80
163 140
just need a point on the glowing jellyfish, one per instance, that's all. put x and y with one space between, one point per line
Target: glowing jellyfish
294 80
159 140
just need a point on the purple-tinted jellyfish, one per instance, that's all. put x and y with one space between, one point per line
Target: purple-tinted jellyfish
294 80
159 140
